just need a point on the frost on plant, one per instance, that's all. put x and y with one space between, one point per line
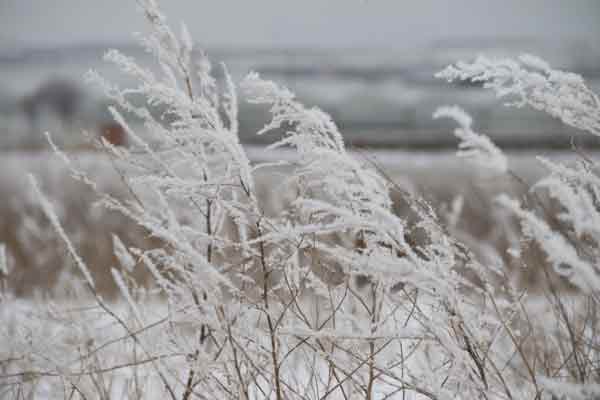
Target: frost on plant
567 238
475 147
328 298
530 81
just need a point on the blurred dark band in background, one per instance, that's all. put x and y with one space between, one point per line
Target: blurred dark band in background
373 73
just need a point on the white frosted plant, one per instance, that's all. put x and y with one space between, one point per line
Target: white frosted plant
329 298
568 237
474 147
529 81
242 304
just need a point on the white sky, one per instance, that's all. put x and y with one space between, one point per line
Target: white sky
302 23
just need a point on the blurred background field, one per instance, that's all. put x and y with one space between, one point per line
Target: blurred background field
378 98
368 64
463 197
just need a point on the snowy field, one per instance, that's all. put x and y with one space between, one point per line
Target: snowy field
126 368
179 258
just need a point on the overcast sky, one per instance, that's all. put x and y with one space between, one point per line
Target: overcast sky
302 23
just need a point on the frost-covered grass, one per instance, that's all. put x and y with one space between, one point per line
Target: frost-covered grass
348 286
442 177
